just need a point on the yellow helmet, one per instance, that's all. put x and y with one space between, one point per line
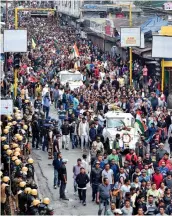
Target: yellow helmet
1 173
46 201
17 162
15 145
5 179
3 138
9 152
27 190
36 202
16 154
5 131
34 192
14 158
20 138
17 135
6 147
24 169
9 118
14 122
30 161
7 127
17 150
25 127
22 184
9 124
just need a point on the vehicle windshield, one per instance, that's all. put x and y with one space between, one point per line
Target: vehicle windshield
71 77
114 123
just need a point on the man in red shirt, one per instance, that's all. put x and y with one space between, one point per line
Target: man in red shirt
131 157
157 178
165 159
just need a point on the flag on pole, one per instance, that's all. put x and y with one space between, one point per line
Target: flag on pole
33 44
75 50
140 122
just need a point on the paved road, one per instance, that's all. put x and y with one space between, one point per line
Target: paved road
44 174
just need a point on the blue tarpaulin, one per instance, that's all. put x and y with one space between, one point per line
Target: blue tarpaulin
153 24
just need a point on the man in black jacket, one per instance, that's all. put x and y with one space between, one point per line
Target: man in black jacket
63 179
65 134
35 132
82 179
95 179
57 163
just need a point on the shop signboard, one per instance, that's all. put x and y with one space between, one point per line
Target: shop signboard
15 40
6 106
161 46
130 36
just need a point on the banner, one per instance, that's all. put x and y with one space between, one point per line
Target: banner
130 37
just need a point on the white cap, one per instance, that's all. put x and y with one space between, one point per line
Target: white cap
64 160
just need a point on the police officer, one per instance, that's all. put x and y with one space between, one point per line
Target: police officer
5 193
20 194
17 168
22 200
35 132
44 208
34 208
31 170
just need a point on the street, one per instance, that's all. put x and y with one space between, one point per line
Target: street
44 173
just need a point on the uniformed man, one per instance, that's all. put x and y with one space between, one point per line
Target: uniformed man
34 208
20 194
44 208
5 193
17 168
31 170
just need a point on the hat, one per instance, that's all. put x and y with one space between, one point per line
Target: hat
64 160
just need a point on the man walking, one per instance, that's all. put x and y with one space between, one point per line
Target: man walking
95 179
83 132
82 179
76 171
63 179
56 96
103 195
57 163
65 134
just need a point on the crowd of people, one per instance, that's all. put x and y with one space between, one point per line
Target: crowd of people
138 183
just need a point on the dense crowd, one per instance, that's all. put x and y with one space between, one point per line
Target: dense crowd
138 183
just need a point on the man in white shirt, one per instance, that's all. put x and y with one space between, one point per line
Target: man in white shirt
83 132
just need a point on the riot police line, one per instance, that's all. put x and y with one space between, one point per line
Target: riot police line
19 191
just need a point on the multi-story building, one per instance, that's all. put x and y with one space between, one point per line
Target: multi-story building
82 9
